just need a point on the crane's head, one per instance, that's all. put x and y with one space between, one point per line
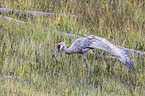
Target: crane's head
60 47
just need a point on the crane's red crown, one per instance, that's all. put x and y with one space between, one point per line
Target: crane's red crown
59 41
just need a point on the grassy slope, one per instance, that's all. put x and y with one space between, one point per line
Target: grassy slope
27 51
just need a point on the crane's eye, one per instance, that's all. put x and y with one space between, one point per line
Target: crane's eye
58 46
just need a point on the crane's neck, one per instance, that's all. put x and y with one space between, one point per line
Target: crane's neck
67 50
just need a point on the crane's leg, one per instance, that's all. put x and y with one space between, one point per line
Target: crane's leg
86 65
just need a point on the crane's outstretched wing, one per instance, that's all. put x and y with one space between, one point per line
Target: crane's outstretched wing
125 59
103 44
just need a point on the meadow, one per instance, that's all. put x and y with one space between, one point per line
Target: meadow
28 63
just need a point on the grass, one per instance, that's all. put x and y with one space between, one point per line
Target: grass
28 51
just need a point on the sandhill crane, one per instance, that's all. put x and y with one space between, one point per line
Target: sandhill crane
84 44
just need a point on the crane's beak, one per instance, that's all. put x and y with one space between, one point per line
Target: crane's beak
57 52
